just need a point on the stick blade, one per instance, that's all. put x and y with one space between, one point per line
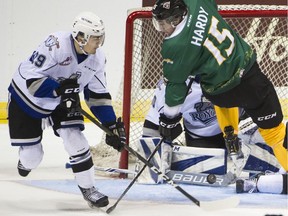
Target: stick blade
230 202
109 210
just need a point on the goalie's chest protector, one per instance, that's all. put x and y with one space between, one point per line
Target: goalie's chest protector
199 114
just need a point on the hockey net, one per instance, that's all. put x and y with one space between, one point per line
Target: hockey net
263 27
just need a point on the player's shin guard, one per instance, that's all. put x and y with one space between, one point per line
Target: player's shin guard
226 117
29 158
275 138
82 166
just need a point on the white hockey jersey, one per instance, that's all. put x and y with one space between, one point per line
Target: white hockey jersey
199 117
54 60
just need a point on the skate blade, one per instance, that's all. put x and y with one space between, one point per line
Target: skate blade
100 209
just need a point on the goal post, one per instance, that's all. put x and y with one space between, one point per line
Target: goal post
264 27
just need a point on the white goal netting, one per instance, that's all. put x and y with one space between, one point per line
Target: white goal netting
263 27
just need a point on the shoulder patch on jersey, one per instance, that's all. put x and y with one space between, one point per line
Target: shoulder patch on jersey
66 62
52 41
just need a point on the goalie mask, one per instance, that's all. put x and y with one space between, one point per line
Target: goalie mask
168 12
85 25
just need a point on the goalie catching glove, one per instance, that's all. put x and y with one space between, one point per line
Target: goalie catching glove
118 140
170 128
69 92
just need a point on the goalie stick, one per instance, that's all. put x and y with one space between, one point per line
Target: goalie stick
110 209
202 178
207 205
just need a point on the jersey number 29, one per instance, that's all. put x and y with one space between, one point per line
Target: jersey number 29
37 59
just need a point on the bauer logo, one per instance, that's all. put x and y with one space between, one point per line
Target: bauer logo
194 179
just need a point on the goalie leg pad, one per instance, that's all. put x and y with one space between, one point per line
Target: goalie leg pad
261 159
261 156
161 160
181 158
199 160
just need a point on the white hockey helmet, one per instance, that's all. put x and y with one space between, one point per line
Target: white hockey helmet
87 24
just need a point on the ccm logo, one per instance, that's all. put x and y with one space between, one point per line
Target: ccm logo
72 90
267 117
168 125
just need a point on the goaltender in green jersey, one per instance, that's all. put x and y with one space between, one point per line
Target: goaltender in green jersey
199 42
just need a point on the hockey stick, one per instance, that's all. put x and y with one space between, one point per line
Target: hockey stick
208 205
110 209
203 179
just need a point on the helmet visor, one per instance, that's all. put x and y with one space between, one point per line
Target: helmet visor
161 25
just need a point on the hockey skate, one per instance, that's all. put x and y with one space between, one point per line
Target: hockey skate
94 198
23 171
233 143
247 185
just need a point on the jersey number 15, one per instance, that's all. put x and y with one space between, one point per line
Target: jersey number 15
220 36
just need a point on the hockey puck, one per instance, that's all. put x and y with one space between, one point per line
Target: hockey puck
211 178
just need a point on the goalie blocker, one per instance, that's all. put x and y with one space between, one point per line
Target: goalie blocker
200 166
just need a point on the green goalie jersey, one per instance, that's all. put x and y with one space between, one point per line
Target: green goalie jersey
207 47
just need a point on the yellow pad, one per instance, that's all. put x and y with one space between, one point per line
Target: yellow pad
227 117
274 137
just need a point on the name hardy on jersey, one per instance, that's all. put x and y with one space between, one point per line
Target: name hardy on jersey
200 25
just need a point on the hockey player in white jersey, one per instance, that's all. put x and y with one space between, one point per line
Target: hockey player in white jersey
204 150
201 132
199 119
47 85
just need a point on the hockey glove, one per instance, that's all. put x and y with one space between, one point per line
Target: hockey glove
170 129
69 92
118 140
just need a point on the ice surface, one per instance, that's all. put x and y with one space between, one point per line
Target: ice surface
51 190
